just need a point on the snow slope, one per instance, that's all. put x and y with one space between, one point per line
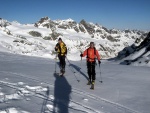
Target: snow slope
29 85
40 38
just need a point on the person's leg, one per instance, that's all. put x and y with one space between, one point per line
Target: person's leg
93 72
89 72
63 63
60 62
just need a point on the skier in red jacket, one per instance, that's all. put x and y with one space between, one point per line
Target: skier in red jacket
91 54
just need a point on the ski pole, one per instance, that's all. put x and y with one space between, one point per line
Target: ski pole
55 63
81 61
100 74
72 70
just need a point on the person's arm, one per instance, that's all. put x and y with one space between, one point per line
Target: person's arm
65 47
66 51
56 47
84 53
98 56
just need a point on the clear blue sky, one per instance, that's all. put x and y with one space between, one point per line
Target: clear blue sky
120 14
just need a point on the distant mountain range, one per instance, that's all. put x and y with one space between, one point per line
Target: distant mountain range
39 39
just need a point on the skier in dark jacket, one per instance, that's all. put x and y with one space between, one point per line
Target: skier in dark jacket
91 54
62 52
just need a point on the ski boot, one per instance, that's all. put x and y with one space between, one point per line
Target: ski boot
62 72
89 82
92 85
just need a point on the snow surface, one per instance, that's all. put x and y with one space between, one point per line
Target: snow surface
29 85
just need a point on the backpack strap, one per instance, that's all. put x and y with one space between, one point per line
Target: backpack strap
94 51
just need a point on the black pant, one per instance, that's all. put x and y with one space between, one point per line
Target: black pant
91 70
62 62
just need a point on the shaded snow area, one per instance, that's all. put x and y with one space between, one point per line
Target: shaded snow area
29 85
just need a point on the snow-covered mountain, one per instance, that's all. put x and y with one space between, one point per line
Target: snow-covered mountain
40 38
136 54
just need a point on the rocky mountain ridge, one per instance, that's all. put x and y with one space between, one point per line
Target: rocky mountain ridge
45 32
136 54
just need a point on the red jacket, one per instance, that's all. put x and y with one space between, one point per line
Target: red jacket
91 55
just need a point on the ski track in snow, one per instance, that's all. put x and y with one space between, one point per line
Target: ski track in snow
33 91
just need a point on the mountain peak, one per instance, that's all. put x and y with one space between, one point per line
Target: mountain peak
70 20
4 23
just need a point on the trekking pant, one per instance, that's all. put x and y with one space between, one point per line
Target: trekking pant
62 62
91 70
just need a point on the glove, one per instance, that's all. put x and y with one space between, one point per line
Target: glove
56 48
99 62
81 55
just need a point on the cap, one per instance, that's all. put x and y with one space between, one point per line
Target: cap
91 43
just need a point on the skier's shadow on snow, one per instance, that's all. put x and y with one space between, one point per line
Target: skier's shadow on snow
62 90
79 70
45 100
